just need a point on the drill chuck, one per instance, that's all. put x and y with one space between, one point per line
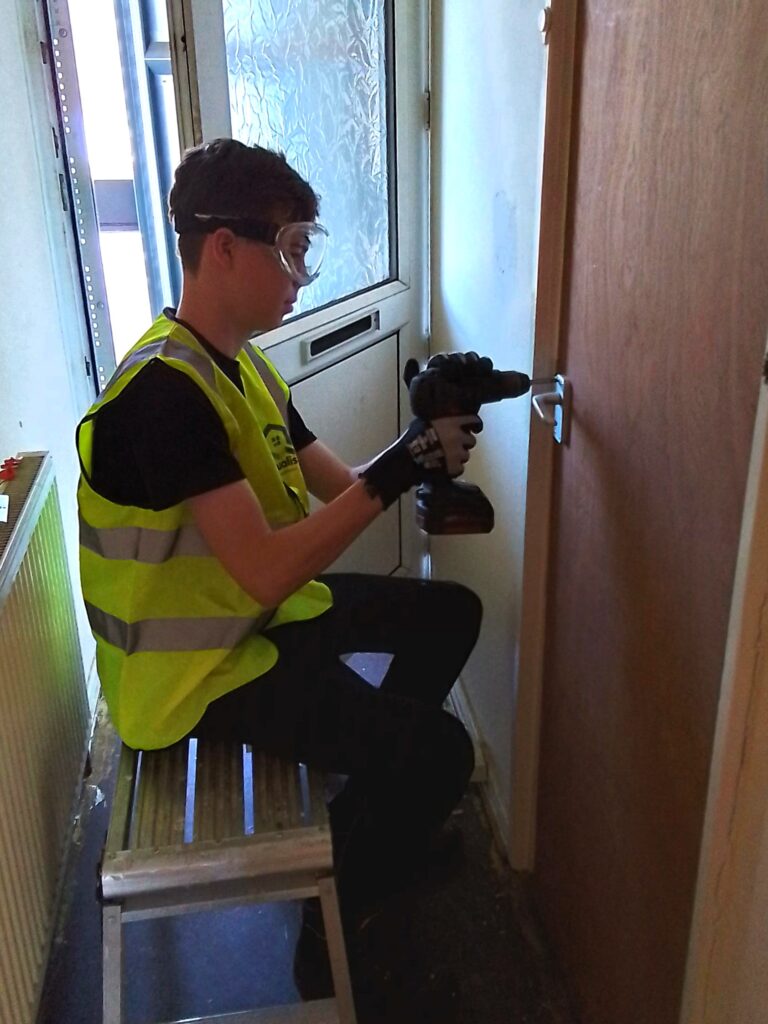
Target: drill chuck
509 384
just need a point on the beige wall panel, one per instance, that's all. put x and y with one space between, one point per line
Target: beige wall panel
665 327
352 407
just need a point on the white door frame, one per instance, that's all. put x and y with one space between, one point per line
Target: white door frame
728 952
561 37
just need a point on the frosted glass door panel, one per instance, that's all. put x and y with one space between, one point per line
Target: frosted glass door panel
309 78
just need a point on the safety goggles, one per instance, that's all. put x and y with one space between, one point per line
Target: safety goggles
299 247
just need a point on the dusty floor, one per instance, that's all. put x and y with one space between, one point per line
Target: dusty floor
461 946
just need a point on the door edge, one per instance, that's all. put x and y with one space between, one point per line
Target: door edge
555 179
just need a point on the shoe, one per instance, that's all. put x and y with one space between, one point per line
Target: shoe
311 966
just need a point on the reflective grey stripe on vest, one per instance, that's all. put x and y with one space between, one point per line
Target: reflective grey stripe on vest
270 382
143 545
173 350
167 635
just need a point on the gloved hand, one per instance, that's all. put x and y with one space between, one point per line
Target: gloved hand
459 366
421 452
454 366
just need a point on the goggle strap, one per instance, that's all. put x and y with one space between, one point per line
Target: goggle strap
257 231
207 223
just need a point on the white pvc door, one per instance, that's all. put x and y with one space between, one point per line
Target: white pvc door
341 90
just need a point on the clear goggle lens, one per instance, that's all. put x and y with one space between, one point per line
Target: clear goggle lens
300 248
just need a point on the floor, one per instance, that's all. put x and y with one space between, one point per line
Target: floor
460 946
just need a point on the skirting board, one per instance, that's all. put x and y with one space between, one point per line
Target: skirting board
483 775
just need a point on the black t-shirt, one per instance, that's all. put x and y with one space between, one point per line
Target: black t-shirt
161 440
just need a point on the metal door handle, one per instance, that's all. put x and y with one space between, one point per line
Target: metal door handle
554 408
548 398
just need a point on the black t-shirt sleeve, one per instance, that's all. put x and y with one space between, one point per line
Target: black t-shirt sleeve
300 433
160 442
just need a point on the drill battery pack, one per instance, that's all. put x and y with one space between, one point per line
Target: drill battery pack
446 507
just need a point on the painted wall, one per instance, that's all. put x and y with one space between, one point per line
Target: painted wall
488 71
665 328
44 388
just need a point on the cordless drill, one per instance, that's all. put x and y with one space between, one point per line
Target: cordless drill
443 505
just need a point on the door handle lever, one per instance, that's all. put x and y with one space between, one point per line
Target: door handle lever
554 408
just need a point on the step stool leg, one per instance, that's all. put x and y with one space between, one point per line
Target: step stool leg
337 952
112 964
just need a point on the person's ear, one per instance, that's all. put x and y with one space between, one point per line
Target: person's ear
222 244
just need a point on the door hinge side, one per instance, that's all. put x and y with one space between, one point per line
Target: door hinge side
427 109
87 362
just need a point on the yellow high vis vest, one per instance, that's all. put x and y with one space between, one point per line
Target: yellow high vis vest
173 629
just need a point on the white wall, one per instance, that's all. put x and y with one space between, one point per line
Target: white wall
488 72
44 388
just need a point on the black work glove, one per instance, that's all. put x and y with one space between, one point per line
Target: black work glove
459 366
424 451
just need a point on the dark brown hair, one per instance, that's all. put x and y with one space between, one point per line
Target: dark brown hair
230 178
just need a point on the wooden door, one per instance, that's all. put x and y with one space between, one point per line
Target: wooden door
666 311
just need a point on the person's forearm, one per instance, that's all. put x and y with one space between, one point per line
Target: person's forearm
327 476
339 483
272 563
334 484
298 553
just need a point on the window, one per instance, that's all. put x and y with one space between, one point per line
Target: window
115 93
311 80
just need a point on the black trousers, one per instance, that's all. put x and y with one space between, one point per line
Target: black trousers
407 760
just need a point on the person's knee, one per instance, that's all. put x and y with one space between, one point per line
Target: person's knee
423 771
425 750
447 756
461 606
459 751
472 607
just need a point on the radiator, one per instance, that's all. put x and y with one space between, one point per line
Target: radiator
43 730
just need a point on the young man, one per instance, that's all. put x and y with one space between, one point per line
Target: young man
200 561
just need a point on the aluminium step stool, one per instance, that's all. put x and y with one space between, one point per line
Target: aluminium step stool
204 825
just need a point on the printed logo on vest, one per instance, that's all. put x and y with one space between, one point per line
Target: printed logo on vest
279 440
